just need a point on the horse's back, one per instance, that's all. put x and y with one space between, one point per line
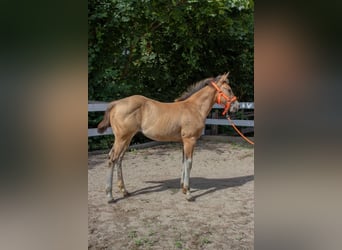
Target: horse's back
129 104
127 113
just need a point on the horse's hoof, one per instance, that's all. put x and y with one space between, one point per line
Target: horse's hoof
190 198
126 194
111 200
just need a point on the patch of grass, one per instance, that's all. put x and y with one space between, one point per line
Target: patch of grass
139 242
178 244
205 241
133 150
151 233
146 241
241 236
132 234
235 145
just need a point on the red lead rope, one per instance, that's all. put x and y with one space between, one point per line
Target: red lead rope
226 108
238 131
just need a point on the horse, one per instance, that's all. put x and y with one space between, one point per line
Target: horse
181 121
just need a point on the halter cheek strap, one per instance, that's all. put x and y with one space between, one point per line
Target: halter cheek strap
221 94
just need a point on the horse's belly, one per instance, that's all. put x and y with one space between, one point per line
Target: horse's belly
162 135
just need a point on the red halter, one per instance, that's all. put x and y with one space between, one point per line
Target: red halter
221 94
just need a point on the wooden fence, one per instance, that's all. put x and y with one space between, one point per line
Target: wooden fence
94 106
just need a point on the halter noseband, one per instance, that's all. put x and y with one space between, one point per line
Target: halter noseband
221 94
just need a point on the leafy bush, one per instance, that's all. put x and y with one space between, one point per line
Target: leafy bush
157 48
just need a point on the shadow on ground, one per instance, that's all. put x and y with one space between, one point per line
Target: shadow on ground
196 184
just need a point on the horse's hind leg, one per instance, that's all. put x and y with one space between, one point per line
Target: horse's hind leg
115 158
124 143
111 164
121 183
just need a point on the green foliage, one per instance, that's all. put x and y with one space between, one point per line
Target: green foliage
100 142
157 48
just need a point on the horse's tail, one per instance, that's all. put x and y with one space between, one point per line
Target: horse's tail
105 123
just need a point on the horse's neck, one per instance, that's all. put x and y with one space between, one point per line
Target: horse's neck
204 100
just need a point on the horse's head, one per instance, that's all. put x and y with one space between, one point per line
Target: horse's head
225 95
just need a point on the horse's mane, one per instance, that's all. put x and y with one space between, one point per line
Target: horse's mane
196 87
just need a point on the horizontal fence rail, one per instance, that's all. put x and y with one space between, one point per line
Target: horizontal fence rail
102 106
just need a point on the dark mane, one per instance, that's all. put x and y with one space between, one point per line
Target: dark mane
196 87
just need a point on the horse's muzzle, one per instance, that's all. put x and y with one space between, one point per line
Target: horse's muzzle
234 107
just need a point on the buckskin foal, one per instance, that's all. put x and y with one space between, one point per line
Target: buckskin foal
182 120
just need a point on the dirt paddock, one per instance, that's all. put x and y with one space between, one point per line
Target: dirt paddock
157 215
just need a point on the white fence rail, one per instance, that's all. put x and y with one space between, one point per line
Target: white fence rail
102 106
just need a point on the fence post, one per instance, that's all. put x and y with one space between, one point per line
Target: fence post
214 128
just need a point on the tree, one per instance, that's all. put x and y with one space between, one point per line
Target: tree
157 48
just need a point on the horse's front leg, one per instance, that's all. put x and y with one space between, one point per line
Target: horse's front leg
186 186
182 173
187 165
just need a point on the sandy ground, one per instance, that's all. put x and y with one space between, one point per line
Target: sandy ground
157 215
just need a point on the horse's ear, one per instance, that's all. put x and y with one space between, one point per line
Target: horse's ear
224 77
